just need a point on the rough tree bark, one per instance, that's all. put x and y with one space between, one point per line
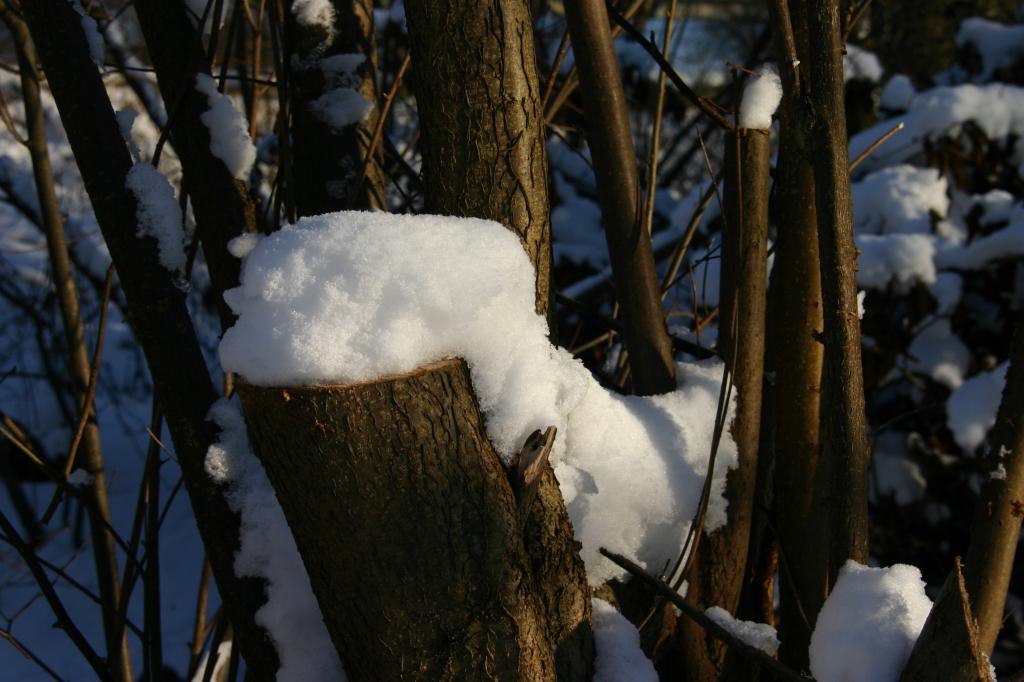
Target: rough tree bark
104 548
420 567
611 146
995 533
716 576
796 287
156 307
949 639
484 157
478 97
327 164
844 423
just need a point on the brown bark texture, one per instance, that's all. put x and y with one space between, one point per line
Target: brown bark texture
844 423
104 548
611 146
716 577
478 96
220 202
327 163
949 639
996 527
156 307
419 566
798 354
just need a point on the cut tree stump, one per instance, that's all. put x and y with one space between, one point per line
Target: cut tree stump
410 532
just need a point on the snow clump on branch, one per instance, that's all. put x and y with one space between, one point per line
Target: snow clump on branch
229 134
761 98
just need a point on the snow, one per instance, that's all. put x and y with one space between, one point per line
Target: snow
341 107
159 215
861 64
1005 243
341 66
92 33
868 625
342 104
998 44
899 259
899 199
758 635
761 98
946 290
939 354
997 109
267 550
352 296
971 409
893 472
315 13
619 657
229 133
898 94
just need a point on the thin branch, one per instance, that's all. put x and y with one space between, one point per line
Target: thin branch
710 626
64 620
875 145
702 103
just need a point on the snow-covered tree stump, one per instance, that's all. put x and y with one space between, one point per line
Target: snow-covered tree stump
410 531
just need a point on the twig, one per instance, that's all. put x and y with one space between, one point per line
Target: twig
702 103
659 110
63 619
378 129
684 243
875 145
27 653
710 626
90 393
199 625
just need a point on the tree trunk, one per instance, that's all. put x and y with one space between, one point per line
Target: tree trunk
611 146
796 287
484 157
949 639
844 424
220 202
716 577
156 307
419 563
328 163
995 533
478 94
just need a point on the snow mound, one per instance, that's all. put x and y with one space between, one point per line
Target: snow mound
998 44
619 656
869 624
353 296
159 215
899 199
971 408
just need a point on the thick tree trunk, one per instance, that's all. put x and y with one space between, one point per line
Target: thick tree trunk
328 163
796 289
156 307
419 563
476 84
844 424
483 156
611 146
716 577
